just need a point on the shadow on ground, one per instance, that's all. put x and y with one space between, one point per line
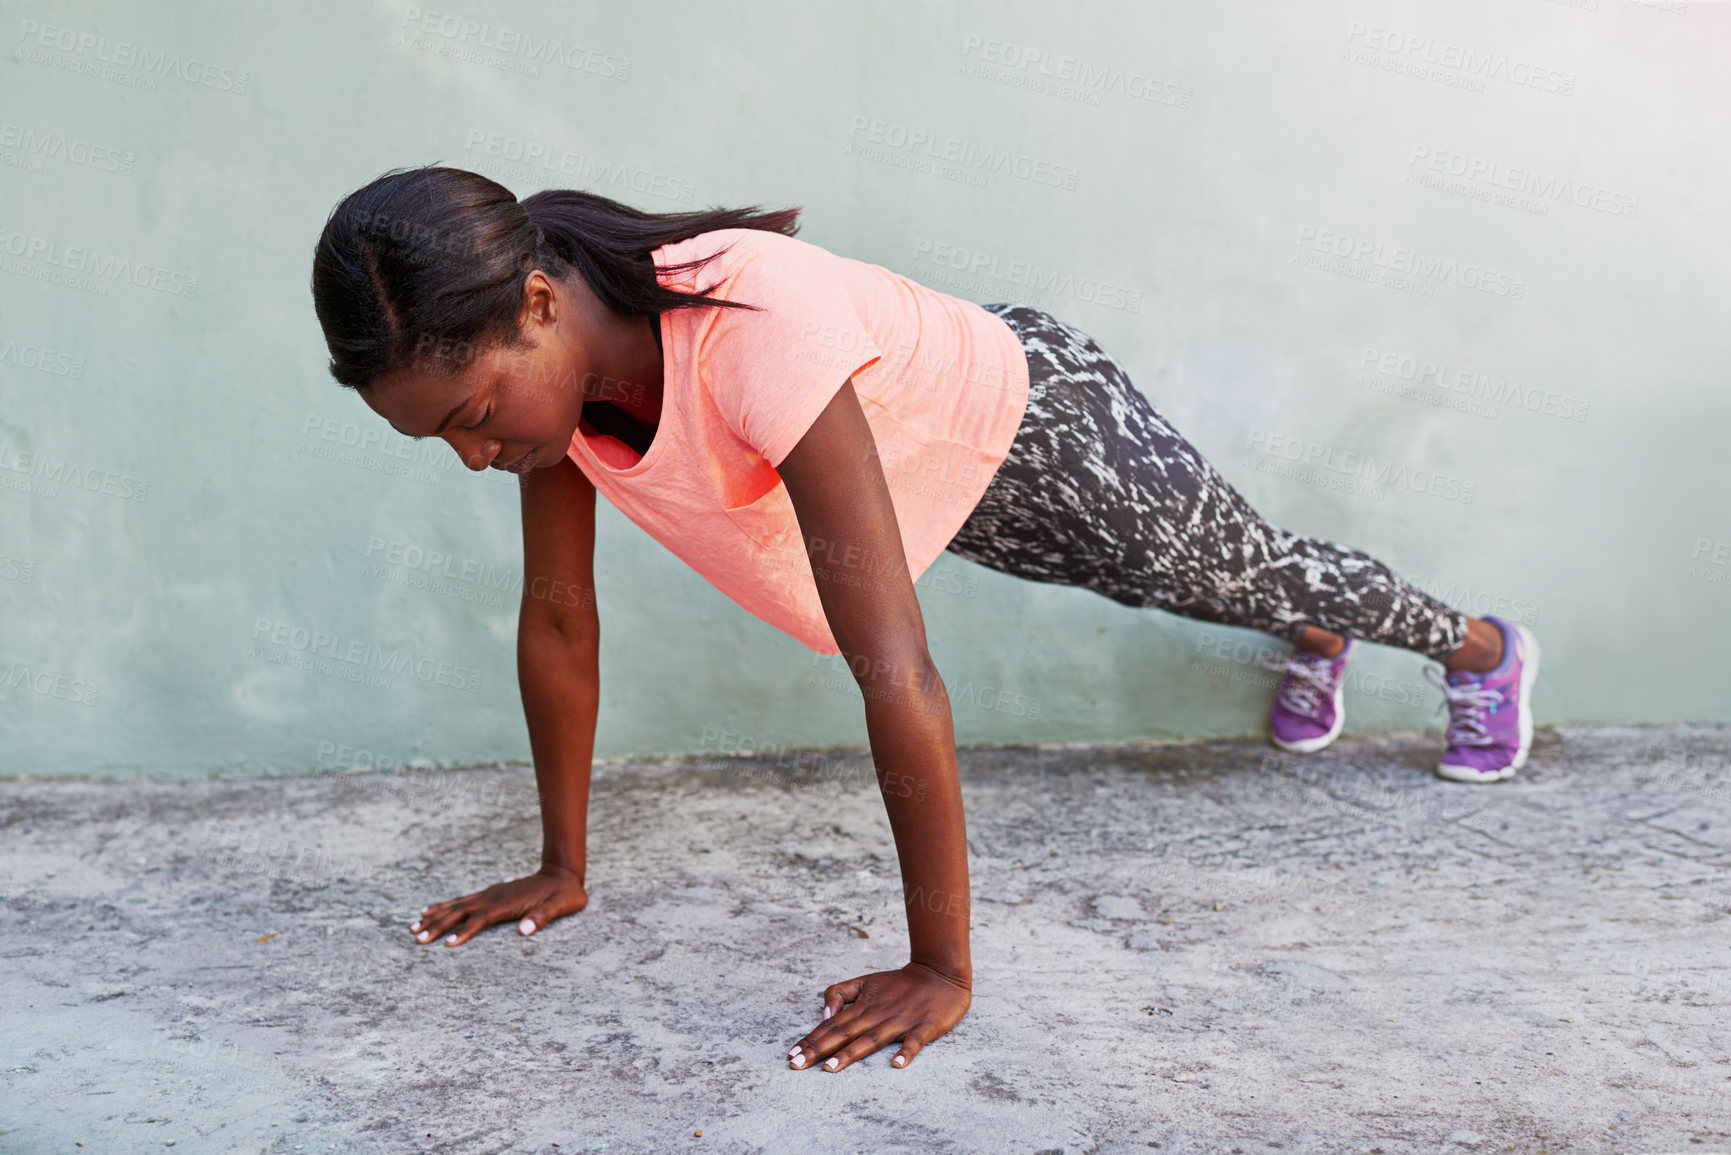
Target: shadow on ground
1215 947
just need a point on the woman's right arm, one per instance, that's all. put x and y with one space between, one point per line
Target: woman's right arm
558 669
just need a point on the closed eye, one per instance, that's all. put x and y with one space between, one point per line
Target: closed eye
482 421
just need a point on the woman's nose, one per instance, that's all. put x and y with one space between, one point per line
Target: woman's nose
476 453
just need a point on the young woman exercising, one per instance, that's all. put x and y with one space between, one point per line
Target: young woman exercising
809 432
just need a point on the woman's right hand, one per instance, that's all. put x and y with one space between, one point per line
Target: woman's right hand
534 901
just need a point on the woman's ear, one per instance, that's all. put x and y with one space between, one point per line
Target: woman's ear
540 301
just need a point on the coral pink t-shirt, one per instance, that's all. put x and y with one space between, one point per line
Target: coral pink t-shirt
942 382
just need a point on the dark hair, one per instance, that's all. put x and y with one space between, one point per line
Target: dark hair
425 266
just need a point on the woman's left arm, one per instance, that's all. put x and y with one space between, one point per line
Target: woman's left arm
854 544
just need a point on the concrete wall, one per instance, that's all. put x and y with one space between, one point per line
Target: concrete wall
1483 245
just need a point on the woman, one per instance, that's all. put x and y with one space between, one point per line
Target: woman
809 432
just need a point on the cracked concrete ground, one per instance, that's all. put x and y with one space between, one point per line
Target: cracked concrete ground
1214 947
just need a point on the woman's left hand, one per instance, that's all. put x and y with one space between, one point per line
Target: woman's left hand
915 1005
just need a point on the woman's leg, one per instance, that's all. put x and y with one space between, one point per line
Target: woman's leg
1099 491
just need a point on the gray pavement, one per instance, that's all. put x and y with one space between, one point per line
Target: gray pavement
1212 947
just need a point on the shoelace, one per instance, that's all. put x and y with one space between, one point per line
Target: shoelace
1467 705
1307 682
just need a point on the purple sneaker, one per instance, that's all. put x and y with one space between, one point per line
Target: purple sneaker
1491 715
1307 713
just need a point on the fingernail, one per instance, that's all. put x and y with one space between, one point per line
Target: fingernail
900 1060
527 926
416 925
832 1064
793 1052
423 936
798 1060
450 940
827 1012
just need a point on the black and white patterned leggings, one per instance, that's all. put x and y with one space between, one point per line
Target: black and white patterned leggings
1099 491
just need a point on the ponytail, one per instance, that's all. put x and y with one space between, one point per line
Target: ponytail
610 244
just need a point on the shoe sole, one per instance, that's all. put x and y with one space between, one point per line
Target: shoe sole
1312 745
1529 674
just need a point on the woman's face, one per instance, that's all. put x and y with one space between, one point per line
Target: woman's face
510 408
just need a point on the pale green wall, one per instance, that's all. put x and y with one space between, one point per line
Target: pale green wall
1219 136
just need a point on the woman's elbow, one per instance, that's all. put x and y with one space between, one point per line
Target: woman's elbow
898 667
539 623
